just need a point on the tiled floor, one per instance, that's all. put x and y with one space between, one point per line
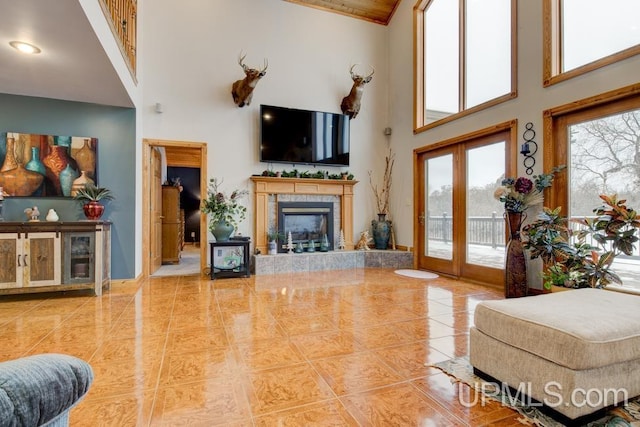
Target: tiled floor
332 348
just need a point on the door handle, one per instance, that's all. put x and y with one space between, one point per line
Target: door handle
421 218
25 260
19 265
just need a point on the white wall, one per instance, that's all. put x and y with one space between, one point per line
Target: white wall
532 100
190 61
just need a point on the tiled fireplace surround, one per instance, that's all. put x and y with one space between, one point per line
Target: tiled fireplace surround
269 191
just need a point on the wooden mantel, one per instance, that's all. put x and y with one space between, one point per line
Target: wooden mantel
264 186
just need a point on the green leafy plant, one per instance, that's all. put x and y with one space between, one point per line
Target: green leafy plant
222 207
91 193
569 259
274 235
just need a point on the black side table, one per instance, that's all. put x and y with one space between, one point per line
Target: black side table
229 259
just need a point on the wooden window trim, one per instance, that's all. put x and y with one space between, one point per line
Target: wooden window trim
552 54
555 121
419 71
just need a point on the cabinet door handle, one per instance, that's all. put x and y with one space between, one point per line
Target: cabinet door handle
25 260
19 261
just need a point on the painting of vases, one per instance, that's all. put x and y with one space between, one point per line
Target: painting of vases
34 165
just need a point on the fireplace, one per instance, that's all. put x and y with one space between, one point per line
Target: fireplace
306 221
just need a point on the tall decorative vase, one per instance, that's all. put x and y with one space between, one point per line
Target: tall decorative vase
10 156
515 269
221 230
86 158
381 231
67 176
55 162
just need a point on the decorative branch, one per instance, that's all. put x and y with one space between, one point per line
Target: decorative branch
383 193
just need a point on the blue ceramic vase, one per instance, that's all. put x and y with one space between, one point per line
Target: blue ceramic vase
67 176
381 231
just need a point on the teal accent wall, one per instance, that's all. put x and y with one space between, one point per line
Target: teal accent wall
115 128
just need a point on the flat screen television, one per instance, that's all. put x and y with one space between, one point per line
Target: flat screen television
295 136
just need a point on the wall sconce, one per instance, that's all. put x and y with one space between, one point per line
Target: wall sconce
529 160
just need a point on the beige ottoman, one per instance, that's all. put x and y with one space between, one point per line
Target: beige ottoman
576 351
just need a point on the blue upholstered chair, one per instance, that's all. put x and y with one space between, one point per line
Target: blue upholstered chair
41 390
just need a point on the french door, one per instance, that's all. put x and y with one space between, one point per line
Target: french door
460 227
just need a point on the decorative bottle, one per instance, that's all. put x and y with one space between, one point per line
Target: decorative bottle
86 158
67 176
80 183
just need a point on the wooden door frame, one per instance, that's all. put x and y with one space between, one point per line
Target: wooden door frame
147 145
511 167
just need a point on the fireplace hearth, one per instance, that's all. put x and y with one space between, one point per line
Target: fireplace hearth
307 222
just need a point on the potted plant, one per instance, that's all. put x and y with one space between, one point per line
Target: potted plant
91 196
272 237
568 257
225 210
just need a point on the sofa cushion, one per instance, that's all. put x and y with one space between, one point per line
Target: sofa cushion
36 389
578 329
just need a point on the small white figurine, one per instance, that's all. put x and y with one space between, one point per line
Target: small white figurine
52 215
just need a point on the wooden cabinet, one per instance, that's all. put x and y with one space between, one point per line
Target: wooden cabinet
51 256
171 225
29 259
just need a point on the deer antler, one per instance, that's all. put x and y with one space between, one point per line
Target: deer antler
241 61
266 65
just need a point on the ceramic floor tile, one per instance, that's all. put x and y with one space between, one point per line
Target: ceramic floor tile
112 378
424 329
326 344
261 351
325 414
214 363
269 353
398 405
464 402
452 346
202 403
127 410
355 372
187 341
306 324
381 336
247 328
284 388
209 319
409 361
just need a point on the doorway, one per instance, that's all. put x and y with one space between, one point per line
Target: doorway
459 225
178 154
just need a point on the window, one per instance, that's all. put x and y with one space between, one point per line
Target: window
465 56
598 140
583 35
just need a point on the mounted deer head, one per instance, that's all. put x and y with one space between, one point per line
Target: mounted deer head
350 104
242 90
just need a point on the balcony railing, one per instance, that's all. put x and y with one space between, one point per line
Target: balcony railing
122 14
486 231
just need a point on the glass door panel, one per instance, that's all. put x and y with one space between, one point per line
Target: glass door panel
485 234
604 160
439 207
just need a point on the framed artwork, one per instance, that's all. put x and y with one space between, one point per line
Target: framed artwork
46 165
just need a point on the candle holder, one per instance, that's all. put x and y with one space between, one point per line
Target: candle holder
529 160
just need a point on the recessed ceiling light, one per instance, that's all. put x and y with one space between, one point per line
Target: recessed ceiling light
25 47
